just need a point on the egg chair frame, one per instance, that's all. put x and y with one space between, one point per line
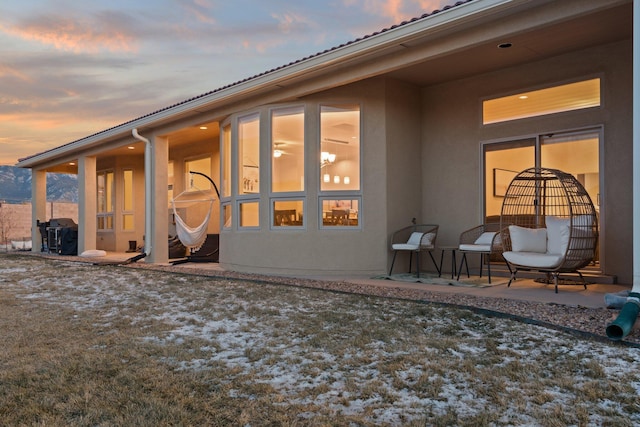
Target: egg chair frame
553 200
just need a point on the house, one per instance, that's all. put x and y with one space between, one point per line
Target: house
320 160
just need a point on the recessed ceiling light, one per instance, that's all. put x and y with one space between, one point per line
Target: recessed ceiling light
131 148
523 97
505 45
203 128
72 164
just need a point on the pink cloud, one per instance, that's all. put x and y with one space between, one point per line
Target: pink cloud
398 10
67 34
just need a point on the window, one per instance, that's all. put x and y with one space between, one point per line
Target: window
287 149
288 213
249 214
105 200
249 154
340 148
226 161
127 202
340 212
557 99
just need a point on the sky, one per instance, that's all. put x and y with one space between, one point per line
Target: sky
71 68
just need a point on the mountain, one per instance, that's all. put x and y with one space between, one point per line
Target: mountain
15 186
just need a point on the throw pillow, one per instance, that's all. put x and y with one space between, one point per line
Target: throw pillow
528 239
557 234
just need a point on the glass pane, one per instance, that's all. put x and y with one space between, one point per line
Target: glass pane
101 193
339 148
108 187
249 214
502 163
577 155
226 161
127 222
127 178
340 212
227 216
196 182
287 151
249 154
288 213
569 97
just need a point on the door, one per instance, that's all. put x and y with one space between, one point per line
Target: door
577 153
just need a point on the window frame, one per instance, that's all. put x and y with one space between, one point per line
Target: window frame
105 215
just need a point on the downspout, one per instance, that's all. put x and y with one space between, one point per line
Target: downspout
620 328
147 191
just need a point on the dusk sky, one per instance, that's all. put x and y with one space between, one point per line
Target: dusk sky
71 68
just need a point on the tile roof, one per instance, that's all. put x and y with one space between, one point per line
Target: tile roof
239 82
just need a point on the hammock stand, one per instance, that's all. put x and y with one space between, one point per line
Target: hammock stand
193 238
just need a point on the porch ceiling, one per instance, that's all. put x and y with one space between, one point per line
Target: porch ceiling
599 28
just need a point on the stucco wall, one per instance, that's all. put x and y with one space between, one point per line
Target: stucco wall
386 198
452 136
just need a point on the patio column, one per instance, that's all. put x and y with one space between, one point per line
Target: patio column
159 201
87 204
38 206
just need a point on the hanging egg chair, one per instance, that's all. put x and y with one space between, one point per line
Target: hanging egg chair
548 224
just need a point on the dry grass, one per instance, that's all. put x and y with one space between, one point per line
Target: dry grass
97 345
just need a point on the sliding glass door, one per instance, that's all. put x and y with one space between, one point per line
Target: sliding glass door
577 153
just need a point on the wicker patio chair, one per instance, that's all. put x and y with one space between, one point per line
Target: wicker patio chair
484 240
415 239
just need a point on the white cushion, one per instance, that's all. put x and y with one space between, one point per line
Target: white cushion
427 241
414 239
528 239
404 247
485 238
413 244
475 248
557 234
533 259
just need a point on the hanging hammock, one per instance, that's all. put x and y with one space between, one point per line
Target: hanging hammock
192 237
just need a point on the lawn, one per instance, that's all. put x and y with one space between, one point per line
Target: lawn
86 345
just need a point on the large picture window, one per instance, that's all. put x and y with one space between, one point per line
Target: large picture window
340 148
